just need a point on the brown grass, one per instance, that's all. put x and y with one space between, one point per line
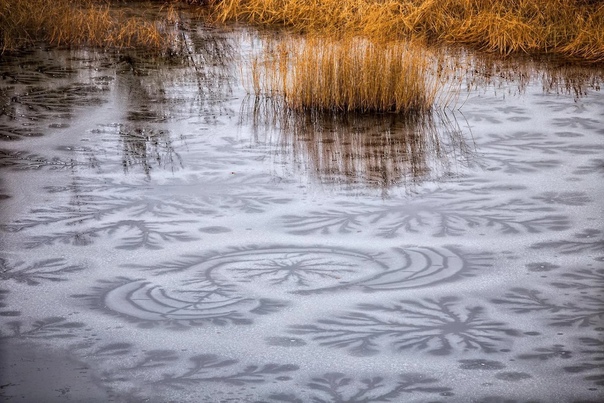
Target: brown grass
573 28
348 75
80 22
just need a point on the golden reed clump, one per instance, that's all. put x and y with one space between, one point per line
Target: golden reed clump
572 28
78 22
347 75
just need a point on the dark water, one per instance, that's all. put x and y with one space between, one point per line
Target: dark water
166 238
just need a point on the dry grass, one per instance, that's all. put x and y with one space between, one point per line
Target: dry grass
573 28
80 22
348 75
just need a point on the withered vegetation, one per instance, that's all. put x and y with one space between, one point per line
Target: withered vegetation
95 23
348 75
572 28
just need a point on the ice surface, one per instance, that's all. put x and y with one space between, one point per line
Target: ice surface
168 243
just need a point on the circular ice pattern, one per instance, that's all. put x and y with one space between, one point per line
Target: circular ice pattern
229 287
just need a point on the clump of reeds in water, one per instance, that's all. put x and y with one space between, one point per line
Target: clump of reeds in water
574 28
80 22
349 75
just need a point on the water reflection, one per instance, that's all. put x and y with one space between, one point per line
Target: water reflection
145 147
498 272
516 73
203 70
386 151
195 84
354 151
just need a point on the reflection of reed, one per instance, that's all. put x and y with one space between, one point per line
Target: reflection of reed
572 79
202 70
144 147
555 76
157 91
212 54
360 150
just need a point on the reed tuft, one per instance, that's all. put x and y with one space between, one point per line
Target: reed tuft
348 75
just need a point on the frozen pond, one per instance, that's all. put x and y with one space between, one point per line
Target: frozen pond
165 238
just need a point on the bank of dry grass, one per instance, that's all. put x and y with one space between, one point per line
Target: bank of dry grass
574 28
79 22
348 75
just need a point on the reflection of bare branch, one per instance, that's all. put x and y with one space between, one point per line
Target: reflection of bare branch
25 161
517 73
146 147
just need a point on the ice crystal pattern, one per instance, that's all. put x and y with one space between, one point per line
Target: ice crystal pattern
175 370
150 305
588 241
4 305
44 329
227 287
307 270
440 215
204 367
33 274
337 387
584 307
152 220
586 312
437 326
592 367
